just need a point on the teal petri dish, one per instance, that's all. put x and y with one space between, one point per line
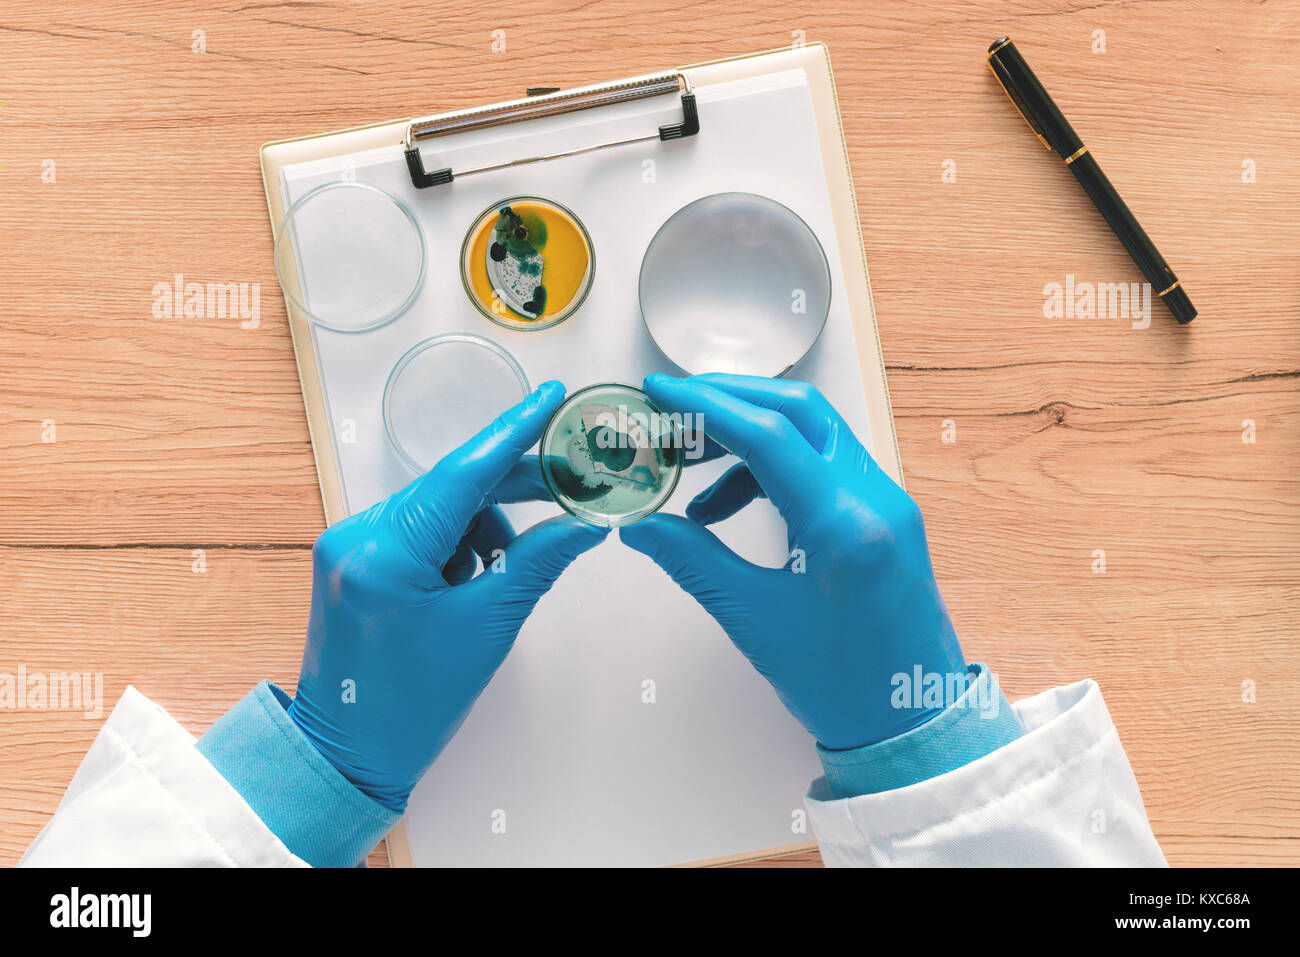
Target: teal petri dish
609 456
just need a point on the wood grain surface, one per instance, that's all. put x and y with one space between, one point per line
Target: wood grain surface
1072 435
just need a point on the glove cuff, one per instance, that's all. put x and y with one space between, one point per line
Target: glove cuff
313 809
979 722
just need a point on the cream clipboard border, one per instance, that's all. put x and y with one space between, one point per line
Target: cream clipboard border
814 59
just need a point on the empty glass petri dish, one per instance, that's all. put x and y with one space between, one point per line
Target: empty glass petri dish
610 456
527 263
350 256
737 283
444 391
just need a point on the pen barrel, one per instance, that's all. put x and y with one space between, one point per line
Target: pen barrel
1056 133
1121 219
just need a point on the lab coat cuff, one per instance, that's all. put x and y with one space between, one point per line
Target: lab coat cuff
978 722
302 798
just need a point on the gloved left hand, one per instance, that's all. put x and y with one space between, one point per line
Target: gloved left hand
402 639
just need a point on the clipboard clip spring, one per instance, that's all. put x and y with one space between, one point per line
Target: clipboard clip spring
549 103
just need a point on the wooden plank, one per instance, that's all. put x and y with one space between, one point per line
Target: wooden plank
1170 659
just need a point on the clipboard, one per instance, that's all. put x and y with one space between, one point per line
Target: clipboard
421 139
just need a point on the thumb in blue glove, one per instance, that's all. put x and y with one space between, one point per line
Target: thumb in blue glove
856 604
402 639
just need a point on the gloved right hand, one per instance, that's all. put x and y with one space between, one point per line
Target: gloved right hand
856 603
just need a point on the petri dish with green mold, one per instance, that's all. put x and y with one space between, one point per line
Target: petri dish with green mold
527 263
610 456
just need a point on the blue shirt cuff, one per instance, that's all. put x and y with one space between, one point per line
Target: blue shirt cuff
977 723
313 809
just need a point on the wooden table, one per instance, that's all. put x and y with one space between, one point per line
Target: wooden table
129 154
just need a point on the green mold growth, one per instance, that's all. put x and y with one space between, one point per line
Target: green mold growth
609 456
515 262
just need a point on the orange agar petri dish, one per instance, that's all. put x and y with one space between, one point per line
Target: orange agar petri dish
527 263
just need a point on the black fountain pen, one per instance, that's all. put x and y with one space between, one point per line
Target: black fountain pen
1056 134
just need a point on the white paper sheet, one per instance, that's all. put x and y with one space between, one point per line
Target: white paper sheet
562 748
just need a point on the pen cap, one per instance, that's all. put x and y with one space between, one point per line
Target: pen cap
1031 99
1179 304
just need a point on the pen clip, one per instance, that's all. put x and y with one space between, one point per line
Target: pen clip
1015 101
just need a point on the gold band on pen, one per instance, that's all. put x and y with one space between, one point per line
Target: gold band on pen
1000 46
1075 155
1177 283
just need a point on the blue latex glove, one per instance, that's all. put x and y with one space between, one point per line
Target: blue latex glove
859 605
397 616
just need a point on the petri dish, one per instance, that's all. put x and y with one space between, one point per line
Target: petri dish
350 256
610 456
735 282
444 391
527 263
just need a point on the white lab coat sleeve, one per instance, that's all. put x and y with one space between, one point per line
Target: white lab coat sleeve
1062 794
144 796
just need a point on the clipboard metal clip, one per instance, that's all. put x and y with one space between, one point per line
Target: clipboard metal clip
549 103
